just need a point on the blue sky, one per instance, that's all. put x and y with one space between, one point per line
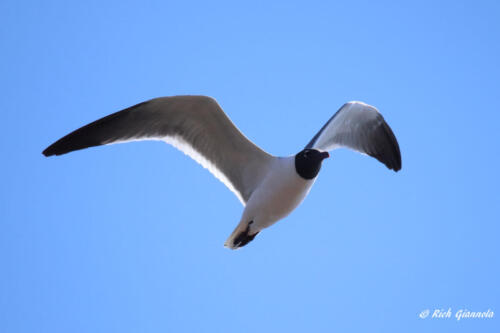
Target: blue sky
129 238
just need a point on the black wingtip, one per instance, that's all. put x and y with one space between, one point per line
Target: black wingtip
93 134
62 146
48 152
398 165
391 155
69 143
395 165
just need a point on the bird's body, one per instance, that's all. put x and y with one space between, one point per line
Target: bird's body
281 191
269 187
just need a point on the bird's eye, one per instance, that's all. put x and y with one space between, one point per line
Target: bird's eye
306 154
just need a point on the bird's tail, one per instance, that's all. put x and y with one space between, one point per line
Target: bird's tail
241 236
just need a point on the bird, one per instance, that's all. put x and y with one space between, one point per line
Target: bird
269 187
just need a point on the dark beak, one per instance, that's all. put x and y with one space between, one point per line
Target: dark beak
324 155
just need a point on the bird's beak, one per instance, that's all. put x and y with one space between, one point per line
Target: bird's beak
324 155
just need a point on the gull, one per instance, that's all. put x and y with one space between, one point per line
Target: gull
269 187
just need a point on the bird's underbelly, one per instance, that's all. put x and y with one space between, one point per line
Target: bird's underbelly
277 201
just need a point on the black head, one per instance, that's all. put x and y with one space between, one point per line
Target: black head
308 162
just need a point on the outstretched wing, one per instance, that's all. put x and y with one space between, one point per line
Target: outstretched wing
196 125
361 127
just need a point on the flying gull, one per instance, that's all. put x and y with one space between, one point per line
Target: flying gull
269 187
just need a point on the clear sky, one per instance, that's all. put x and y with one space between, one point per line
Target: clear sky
129 238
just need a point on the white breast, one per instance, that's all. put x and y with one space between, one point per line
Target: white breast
279 194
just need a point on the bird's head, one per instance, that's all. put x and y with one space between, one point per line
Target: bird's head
308 162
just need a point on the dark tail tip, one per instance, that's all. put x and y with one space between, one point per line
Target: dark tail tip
243 239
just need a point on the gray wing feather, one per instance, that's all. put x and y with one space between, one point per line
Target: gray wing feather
360 127
194 124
